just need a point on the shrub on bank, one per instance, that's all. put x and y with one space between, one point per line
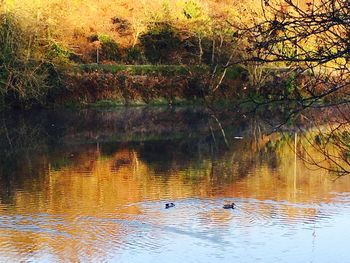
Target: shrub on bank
93 86
159 43
109 48
134 55
23 74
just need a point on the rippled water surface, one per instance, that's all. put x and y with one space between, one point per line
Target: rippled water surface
91 186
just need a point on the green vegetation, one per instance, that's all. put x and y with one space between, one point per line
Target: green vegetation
23 70
109 48
160 42
140 69
164 70
143 52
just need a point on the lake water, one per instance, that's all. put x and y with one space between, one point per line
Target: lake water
91 186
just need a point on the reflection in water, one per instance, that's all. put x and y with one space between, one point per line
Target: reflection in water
91 186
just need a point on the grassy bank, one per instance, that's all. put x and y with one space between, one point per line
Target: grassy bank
99 85
233 72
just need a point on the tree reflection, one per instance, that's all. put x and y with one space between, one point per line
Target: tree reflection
86 198
327 144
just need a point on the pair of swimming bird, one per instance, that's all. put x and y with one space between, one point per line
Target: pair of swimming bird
226 206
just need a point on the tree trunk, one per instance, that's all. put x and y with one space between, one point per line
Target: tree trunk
213 53
200 49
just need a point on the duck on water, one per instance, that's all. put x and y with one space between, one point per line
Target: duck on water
229 206
169 205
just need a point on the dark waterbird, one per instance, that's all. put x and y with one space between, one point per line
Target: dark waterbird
169 205
229 206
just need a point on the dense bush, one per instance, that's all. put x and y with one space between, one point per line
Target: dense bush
57 53
23 76
28 63
109 48
134 55
159 42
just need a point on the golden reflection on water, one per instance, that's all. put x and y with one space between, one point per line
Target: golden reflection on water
59 207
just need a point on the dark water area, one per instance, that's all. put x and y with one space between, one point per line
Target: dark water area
91 186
